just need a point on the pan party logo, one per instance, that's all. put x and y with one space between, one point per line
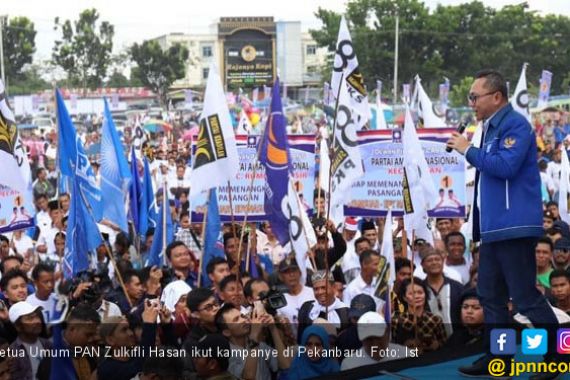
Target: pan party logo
248 53
211 145
509 142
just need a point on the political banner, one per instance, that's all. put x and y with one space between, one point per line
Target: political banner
16 210
302 150
381 185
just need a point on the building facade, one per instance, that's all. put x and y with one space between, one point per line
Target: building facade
250 52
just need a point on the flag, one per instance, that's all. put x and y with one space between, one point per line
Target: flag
148 217
324 165
14 173
544 93
73 162
212 245
519 101
387 249
426 109
115 174
216 159
406 92
419 190
380 119
163 235
347 164
244 127
140 137
301 233
135 192
564 185
345 66
82 234
61 367
274 155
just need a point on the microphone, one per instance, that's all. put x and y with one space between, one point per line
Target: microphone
460 129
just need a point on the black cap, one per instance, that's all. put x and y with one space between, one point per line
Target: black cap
213 342
367 225
562 243
288 263
468 294
562 227
361 304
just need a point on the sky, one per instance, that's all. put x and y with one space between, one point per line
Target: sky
136 21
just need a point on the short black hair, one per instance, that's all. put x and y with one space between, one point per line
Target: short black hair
12 274
19 258
494 81
184 214
53 205
4 238
64 195
227 280
221 325
41 267
361 239
171 246
39 196
227 236
149 232
321 192
215 261
366 255
401 262
551 203
197 296
122 239
84 313
546 240
248 288
129 274
452 234
556 273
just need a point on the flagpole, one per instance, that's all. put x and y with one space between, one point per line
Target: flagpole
232 210
300 205
412 284
200 262
164 204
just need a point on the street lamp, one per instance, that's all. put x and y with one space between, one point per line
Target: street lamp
396 38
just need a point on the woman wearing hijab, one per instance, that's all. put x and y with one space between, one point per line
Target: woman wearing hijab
312 362
174 298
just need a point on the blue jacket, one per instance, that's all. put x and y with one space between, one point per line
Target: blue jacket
508 178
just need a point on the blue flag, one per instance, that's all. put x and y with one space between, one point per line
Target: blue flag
274 155
82 235
61 365
147 212
157 250
115 174
212 245
135 192
73 162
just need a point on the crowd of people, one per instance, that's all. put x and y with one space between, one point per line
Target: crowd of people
274 322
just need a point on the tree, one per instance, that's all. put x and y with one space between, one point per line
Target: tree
460 91
158 69
118 79
19 47
84 49
30 81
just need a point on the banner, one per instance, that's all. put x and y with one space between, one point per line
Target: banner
302 148
544 93
16 210
382 187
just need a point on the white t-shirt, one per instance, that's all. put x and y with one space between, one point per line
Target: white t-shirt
361 357
294 303
47 305
23 244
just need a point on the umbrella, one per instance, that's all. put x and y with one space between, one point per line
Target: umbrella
155 126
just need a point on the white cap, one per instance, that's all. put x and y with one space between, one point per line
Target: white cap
371 324
19 309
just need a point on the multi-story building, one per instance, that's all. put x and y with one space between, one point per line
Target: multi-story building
250 52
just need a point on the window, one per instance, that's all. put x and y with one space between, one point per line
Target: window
205 72
206 51
311 49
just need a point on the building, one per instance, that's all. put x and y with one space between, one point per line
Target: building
250 52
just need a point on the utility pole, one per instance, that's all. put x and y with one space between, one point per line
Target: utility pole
396 38
2 20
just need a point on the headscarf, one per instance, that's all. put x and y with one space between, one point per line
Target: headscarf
172 293
303 368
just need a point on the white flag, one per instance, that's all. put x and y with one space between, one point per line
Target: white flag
564 185
380 119
244 127
347 163
302 234
345 66
216 159
419 190
426 108
324 165
14 174
388 247
519 101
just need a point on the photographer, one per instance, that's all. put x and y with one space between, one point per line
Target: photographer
85 289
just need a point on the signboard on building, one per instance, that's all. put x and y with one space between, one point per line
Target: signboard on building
248 51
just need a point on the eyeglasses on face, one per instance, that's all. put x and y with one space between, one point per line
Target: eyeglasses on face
472 98
209 307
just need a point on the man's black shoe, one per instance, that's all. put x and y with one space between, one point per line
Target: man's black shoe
480 368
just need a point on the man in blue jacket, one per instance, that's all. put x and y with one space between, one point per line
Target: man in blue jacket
507 211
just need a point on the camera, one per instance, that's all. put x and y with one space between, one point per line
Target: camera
273 300
91 294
